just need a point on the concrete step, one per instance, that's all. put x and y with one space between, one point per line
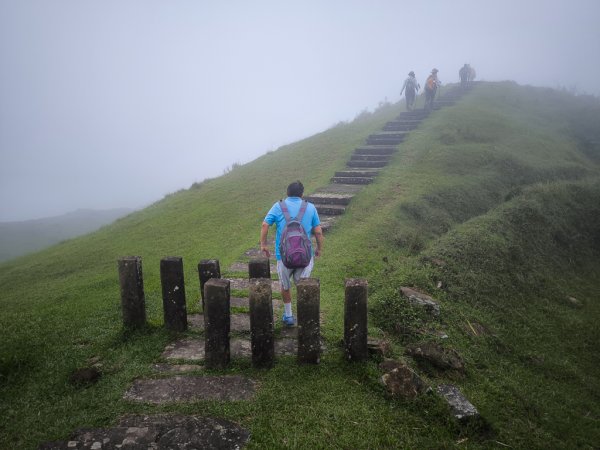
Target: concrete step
370 157
417 114
332 199
401 125
357 173
339 189
375 150
366 164
330 210
384 140
352 180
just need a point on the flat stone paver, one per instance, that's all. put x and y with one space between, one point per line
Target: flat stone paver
192 349
176 368
243 267
162 432
189 388
244 302
243 284
239 322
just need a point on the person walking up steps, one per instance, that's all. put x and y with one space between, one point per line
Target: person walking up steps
294 261
411 86
463 74
431 86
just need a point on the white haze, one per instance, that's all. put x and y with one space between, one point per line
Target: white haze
107 104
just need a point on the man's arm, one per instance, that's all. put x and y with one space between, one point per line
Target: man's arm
264 248
318 232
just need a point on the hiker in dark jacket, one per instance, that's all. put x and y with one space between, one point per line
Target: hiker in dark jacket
411 86
431 86
311 224
463 74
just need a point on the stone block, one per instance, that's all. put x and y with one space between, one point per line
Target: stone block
217 323
401 381
355 320
461 408
440 357
133 301
421 300
261 322
173 293
309 330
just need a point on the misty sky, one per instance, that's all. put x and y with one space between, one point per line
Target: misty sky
116 103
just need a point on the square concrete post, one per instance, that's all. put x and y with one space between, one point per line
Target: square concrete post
355 320
216 323
207 269
259 268
173 293
261 323
309 327
133 301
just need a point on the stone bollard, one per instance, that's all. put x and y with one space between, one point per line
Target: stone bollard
133 302
216 323
259 268
173 293
261 323
309 327
355 320
207 269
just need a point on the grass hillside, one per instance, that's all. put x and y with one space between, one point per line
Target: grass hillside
19 238
491 206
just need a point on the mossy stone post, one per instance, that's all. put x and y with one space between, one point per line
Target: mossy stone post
133 301
216 323
309 328
261 323
207 269
259 268
355 320
173 293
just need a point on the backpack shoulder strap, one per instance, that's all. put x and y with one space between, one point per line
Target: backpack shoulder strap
285 211
302 211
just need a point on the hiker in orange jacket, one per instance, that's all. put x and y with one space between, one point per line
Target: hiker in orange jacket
431 86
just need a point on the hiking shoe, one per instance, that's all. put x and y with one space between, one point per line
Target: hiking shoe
289 320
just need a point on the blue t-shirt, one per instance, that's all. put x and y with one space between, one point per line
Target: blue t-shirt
275 216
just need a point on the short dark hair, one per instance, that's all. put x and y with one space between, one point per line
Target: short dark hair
295 189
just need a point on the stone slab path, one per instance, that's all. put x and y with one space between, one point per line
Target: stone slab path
190 388
161 432
192 349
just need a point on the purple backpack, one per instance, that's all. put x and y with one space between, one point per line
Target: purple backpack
294 247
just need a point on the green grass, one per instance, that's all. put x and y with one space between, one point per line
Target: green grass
502 188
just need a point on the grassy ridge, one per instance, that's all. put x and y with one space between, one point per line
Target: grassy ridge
502 188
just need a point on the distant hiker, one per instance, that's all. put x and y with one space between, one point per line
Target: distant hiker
283 214
431 86
411 86
463 74
471 75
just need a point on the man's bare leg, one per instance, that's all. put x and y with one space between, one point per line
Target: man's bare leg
287 302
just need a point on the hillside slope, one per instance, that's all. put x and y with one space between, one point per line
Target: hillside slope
493 200
19 238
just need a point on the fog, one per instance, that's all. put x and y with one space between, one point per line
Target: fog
111 104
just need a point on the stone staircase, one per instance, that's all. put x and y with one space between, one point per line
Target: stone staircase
369 159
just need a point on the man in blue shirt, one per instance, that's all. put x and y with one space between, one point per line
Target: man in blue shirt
311 224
